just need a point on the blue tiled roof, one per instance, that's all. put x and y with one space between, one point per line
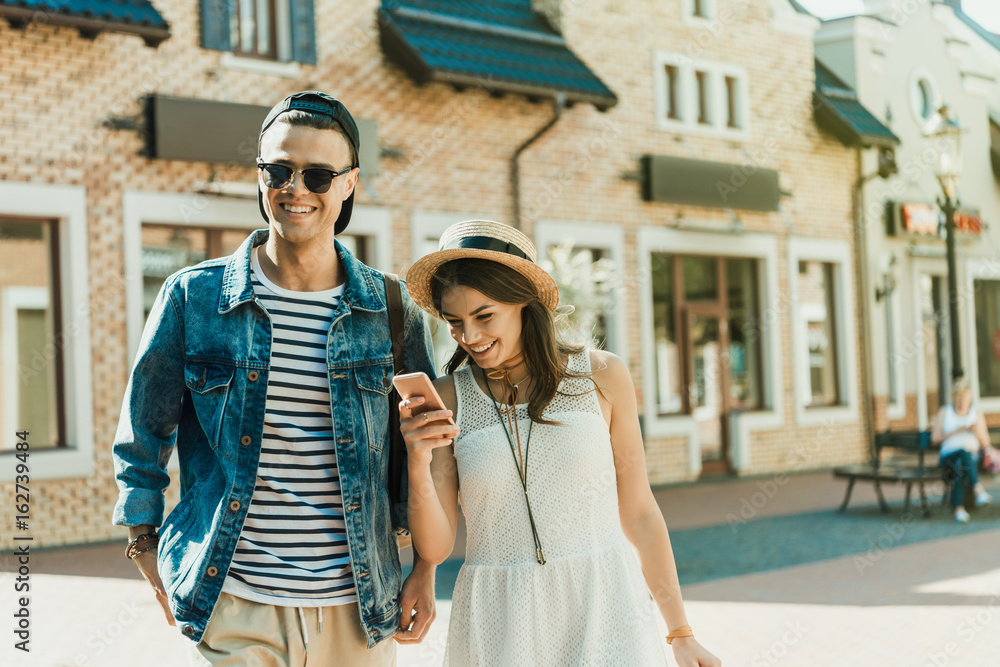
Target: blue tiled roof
500 44
991 38
799 8
509 13
91 16
837 109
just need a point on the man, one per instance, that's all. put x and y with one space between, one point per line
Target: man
270 372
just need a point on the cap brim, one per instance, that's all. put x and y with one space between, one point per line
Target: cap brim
419 275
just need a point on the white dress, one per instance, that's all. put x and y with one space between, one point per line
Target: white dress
588 604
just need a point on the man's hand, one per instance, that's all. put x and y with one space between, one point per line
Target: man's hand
147 566
417 602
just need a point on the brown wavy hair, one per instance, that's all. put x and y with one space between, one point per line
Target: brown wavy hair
541 343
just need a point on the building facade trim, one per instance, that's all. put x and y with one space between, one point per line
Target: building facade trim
839 254
68 205
763 247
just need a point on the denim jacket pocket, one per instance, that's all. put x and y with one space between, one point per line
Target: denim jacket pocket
375 382
208 384
174 563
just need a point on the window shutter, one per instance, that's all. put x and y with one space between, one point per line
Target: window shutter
216 32
303 31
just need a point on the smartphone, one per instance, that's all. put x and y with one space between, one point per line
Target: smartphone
418 384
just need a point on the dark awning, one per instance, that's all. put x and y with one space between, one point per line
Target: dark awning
838 111
501 45
90 17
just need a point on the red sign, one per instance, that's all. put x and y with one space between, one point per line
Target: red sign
921 218
968 222
926 219
996 343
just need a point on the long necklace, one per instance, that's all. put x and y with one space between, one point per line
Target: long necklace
511 430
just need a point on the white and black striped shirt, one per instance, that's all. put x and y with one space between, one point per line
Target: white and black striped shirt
293 549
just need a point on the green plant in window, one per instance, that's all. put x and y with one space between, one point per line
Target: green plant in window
586 280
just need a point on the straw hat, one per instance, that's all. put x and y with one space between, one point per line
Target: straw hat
481 239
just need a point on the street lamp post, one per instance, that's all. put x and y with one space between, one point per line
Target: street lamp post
947 137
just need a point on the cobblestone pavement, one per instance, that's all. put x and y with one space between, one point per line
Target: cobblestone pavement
786 582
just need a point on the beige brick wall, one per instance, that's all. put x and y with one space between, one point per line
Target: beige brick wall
455 151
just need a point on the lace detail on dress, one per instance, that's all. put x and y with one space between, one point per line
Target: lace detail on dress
589 603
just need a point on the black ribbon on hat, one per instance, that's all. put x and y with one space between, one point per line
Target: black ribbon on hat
485 243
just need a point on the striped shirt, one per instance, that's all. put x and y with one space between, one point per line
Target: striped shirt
293 549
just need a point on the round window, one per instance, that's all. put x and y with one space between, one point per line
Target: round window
923 98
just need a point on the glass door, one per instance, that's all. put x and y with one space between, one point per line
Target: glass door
708 384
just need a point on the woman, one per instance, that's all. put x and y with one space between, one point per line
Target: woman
548 455
960 429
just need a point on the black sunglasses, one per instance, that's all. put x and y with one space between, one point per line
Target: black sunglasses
316 180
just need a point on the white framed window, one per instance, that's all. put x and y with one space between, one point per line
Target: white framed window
45 315
823 333
671 93
601 240
758 249
894 361
982 321
701 97
733 97
30 385
698 12
925 99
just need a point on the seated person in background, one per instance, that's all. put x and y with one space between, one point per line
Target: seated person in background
960 429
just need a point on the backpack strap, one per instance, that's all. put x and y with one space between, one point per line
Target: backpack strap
397 446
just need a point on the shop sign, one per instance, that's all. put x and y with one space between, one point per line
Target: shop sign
928 220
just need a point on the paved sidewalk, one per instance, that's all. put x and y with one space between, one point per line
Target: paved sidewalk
906 592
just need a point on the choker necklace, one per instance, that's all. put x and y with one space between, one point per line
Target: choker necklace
510 388
511 430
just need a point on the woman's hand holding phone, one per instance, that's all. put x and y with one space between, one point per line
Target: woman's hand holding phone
425 423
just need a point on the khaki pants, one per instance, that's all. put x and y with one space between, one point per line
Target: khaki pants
242 633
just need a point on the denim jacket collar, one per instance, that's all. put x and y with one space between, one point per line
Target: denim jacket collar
237 287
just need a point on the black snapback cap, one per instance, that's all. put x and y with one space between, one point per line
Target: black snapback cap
321 104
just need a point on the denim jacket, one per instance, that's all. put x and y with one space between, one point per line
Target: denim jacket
199 383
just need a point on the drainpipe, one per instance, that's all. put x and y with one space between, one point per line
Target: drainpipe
861 261
558 104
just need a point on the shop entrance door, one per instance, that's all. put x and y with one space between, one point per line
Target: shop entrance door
707 341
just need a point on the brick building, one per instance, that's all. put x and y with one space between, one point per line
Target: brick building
684 141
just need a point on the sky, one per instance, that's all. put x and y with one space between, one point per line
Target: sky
985 12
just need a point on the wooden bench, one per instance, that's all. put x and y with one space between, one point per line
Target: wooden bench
907 472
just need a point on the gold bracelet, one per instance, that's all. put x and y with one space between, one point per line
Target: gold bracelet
683 631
